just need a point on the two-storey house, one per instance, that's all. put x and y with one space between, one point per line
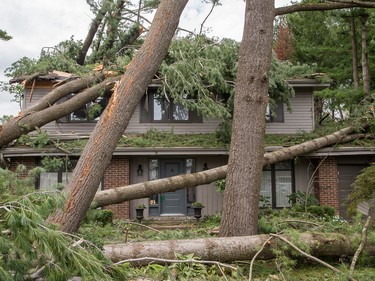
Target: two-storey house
331 181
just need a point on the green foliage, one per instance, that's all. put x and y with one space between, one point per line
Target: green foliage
200 72
155 137
40 140
265 202
364 188
28 244
313 41
5 118
60 57
342 102
302 202
322 211
224 131
16 90
197 205
220 185
17 183
4 35
100 217
141 206
50 163
196 69
302 199
211 221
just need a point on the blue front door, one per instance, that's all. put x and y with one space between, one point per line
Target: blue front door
172 203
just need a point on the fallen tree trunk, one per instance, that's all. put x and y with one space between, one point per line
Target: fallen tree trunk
228 249
127 94
57 93
25 123
145 189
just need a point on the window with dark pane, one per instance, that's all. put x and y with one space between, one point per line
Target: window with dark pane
277 185
275 114
158 107
90 112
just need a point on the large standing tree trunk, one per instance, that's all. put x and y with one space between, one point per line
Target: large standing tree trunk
241 197
125 98
365 70
92 31
354 53
231 249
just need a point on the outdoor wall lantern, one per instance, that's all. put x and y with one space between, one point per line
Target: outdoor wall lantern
140 170
205 167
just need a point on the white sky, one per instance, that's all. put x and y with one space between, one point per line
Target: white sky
44 23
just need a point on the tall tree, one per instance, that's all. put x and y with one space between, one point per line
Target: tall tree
354 53
364 60
126 96
248 126
92 32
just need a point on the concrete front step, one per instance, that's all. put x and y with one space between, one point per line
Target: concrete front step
171 222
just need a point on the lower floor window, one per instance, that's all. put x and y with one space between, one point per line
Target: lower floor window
57 175
277 185
53 180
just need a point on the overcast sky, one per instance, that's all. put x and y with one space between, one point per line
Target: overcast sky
44 23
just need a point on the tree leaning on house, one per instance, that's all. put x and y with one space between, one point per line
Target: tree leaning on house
126 96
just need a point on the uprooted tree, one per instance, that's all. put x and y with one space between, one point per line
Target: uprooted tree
129 89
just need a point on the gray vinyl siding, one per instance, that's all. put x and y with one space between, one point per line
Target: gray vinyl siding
300 119
29 100
85 128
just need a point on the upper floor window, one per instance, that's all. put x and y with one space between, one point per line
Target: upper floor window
156 107
90 112
276 114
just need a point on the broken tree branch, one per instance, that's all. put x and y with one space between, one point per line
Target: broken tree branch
255 256
142 260
306 254
322 6
360 247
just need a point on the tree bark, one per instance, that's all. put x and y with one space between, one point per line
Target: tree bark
241 196
64 90
92 32
231 249
365 70
146 189
126 96
354 54
28 122
341 4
